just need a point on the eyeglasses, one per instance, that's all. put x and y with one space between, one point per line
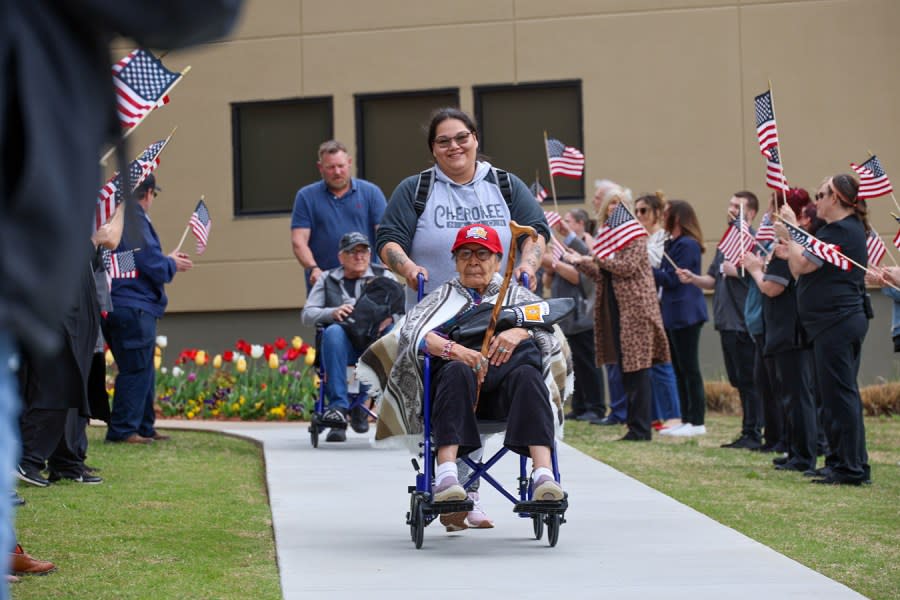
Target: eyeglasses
643 210
820 195
480 254
461 139
358 250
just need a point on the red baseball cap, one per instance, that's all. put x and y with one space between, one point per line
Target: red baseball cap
482 235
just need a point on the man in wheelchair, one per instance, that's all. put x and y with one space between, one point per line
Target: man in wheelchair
330 306
522 379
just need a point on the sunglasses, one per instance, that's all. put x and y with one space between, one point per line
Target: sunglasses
643 210
821 195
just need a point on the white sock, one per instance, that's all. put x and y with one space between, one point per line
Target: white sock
537 473
445 470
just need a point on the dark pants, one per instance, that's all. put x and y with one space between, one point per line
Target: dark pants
44 444
639 392
837 354
589 394
685 345
774 413
513 392
795 388
738 352
131 334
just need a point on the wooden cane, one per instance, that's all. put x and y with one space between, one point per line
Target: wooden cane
516 230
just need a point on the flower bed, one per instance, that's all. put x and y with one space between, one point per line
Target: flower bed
274 381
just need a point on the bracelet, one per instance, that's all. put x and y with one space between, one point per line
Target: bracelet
445 353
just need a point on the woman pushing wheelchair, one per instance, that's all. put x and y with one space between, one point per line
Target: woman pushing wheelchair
520 378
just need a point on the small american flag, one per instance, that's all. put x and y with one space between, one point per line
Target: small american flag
557 248
552 217
120 265
200 225
113 192
736 241
766 131
875 248
619 230
564 160
817 247
141 81
897 237
873 181
106 201
766 231
775 178
538 191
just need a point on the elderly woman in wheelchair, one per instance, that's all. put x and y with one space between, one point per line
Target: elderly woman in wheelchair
521 380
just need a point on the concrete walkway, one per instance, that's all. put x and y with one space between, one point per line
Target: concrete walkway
339 518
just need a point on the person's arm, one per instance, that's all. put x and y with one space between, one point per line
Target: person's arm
686 254
152 263
301 227
314 311
437 345
771 285
395 234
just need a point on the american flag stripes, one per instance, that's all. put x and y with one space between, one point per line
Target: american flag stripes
873 181
557 248
875 248
564 160
200 224
113 192
817 247
896 237
141 81
106 201
120 265
766 131
538 191
552 217
766 231
620 229
775 178
736 241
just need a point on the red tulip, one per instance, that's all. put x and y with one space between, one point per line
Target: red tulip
228 356
280 343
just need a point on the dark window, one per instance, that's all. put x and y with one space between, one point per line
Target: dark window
275 151
513 119
392 134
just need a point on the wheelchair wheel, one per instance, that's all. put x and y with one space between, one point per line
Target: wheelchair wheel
553 523
314 432
538 523
417 526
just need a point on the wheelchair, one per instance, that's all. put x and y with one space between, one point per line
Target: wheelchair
422 511
357 398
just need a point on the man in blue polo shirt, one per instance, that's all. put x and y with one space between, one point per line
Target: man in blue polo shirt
326 210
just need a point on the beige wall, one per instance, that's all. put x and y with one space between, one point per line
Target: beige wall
668 90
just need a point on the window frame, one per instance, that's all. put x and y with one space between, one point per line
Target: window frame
237 180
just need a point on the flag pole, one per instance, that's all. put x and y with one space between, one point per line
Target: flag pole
741 234
780 154
550 172
188 228
181 75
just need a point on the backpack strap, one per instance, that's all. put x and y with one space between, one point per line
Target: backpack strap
423 190
505 184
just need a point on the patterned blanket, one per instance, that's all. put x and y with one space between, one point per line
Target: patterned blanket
392 367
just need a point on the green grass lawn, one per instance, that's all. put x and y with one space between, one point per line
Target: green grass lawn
188 518
849 534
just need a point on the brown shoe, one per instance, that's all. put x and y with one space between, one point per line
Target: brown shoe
161 437
454 521
137 439
24 564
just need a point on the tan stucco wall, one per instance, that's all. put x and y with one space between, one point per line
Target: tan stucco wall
668 90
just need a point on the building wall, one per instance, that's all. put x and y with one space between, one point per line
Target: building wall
668 90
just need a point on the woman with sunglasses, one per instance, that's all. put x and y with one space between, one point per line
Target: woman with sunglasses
417 229
649 210
834 313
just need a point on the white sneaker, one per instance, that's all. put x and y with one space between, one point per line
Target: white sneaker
689 430
673 429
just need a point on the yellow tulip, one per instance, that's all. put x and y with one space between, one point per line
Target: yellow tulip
157 362
200 358
235 407
157 351
109 357
241 365
310 357
190 415
273 361
217 361
296 342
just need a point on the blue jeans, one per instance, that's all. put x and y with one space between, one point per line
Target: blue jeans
337 353
9 446
666 404
131 334
618 402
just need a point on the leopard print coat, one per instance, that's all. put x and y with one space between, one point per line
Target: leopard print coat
642 337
